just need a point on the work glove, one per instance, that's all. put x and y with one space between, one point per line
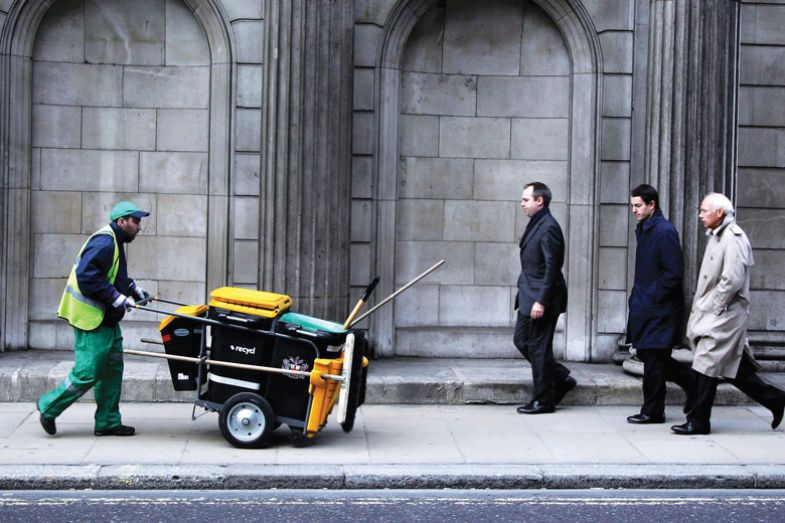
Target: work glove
140 293
126 302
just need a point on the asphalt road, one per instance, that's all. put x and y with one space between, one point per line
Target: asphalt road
394 505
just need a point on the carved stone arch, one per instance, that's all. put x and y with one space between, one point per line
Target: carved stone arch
583 46
16 48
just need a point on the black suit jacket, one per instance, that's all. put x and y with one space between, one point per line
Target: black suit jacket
542 256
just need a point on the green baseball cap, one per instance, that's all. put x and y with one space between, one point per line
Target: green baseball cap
123 209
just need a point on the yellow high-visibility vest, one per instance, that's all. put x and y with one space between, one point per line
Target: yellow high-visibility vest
79 310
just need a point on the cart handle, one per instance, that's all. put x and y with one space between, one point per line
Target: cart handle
243 366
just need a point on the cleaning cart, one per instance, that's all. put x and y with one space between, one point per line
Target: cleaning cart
259 365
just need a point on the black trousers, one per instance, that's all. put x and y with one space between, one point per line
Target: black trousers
746 380
659 367
534 340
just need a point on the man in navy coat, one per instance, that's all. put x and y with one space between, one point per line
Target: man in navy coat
654 324
542 297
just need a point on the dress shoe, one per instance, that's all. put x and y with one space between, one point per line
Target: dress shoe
777 413
535 407
121 430
49 424
563 388
645 419
690 429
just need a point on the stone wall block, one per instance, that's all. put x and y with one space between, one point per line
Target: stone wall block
763 227
423 52
45 294
363 90
612 269
543 51
246 174
761 188
614 225
362 133
186 43
362 174
249 130
182 215
237 9
96 207
762 106
56 212
435 178
183 130
87 85
617 52
166 88
42 336
56 126
759 147
184 292
411 258
366 40
420 219
504 179
246 262
360 264
424 93
540 139
466 305
461 137
168 258
615 139
762 24
617 95
485 41
767 273
611 311
496 263
249 36
418 135
113 128
478 220
60 37
762 65
456 343
249 86
524 96
115 34
246 218
418 307
54 254
184 173
372 11
611 14
86 170
361 221
766 311
614 182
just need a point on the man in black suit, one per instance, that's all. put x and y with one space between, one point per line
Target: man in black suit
542 297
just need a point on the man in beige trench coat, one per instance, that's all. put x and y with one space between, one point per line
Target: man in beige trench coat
717 328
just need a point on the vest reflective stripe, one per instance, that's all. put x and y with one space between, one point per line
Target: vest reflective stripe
80 311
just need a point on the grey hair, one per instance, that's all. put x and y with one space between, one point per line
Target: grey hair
720 201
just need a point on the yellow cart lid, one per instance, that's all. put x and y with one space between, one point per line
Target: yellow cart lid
249 301
188 310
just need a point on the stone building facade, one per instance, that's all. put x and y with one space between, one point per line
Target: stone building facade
307 146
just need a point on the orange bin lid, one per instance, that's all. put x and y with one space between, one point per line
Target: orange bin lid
250 301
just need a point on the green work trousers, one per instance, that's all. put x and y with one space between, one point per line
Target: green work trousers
98 364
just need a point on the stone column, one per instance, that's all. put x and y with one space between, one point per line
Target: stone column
306 166
690 144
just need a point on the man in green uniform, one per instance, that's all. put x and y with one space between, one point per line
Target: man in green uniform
95 299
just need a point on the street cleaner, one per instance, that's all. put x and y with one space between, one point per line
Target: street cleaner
96 297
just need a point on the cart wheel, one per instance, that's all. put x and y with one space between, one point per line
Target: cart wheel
246 420
355 384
